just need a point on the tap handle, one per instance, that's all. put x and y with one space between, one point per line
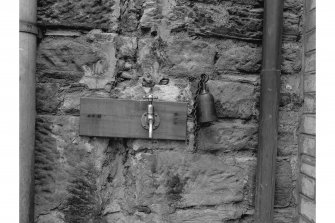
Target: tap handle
150 97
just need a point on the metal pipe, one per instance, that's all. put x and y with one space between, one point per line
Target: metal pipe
269 105
27 107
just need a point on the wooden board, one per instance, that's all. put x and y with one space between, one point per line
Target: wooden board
122 118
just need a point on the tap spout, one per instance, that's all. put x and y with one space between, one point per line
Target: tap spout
150 118
150 128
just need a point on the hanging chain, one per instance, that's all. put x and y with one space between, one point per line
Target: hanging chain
201 84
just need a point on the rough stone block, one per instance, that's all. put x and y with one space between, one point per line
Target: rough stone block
290 93
238 57
287 144
226 213
308 186
310 41
126 46
307 144
232 19
288 122
308 124
176 90
129 15
242 20
190 180
309 83
246 58
307 169
71 99
291 58
309 103
310 63
307 208
284 179
227 19
228 136
234 99
68 60
188 58
47 98
151 58
53 99
66 167
86 13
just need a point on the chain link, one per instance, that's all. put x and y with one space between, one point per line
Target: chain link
201 84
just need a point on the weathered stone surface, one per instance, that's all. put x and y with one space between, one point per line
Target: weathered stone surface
241 21
151 145
227 213
288 122
47 98
53 99
245 58
67 60
188 58
288 133
52 217
71 99
232 19
287 144
129 15
176 90
291 98
234 99
79 13
284 187
186 180
151 59
228 136
126 46
291 58
284 215
66 168
238 57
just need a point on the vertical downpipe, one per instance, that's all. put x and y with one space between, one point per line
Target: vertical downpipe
27 107
269 105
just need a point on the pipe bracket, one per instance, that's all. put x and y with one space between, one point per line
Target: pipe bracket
28 27
145 122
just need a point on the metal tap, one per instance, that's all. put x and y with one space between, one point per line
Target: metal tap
150 120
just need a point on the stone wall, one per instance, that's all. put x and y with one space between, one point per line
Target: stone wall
109 48
307 131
